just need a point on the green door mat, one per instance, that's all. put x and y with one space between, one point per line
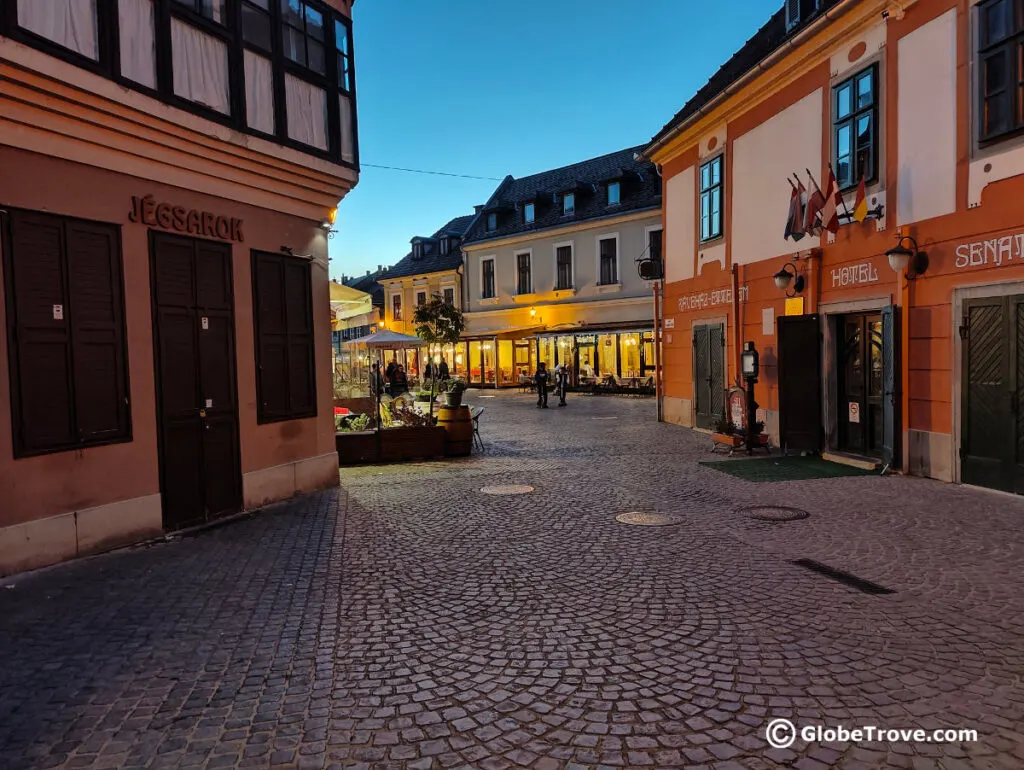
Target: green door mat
785 469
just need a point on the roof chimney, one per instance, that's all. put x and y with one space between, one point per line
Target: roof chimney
367 272
380 268
478 209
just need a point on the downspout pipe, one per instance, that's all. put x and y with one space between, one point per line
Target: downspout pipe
762 66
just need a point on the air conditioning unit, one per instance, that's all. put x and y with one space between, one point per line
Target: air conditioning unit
798 11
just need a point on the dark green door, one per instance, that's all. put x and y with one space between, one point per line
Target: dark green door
708 374
992 440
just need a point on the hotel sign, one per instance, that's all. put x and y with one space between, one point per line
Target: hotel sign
182 220
854 275
993 251
714 298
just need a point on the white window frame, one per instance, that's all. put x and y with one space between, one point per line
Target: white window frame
531 206
572 264
489 258
418 303
528 253
647 240
569 213
444 292
618 258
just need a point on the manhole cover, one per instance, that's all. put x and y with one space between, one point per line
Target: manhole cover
775 513
507 489
646 519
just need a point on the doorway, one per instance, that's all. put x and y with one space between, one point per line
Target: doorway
197 402
992 434
709 374
860 384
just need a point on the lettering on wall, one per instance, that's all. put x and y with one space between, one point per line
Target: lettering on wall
853 275
179 219
702 299
994 251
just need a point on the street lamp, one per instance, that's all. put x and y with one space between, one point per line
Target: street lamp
788 274
913 261
750 367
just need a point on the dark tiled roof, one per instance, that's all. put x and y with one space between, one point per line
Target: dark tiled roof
766 40
640 189
433 261
370 285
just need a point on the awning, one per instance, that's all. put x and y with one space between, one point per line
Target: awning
502 334
388 340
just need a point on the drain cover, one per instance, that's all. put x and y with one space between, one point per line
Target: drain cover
508 489
775 513
646 519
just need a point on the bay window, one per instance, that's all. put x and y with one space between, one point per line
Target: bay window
282 69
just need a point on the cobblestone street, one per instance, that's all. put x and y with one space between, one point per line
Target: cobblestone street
406 620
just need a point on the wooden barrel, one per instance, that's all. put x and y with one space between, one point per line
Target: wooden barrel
458 426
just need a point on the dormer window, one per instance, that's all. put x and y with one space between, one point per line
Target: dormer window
568 204
492 221
529 213
417 250
613 194
444 245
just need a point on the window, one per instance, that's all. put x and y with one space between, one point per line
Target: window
524 284
421 298
854 104
137 25
529 213
256 23
67 357
73 26
613 194
568 204
711 199
285 352
449 296
487 279
563 267
654 241
608 255
1000 68
302 34
417 250
492 221
444 246
396 307
275 68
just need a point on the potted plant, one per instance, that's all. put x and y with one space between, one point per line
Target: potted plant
724 432
454 389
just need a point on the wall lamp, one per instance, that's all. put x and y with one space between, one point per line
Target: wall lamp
788 274
913 261
328 224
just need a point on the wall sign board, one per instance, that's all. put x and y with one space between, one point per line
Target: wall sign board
179 219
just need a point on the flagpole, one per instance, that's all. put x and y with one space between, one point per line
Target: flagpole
849 216
811 177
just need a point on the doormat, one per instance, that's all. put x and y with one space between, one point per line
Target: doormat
785 469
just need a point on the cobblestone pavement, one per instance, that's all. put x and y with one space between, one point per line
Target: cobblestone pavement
406 620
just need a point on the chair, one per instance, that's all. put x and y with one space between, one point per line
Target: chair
474 413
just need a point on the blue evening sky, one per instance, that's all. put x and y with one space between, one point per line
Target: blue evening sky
488 88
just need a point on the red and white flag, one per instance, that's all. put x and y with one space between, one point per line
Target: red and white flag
833 200
812 225
795 220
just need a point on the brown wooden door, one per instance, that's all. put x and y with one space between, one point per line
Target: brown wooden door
860 383
709 374
194 335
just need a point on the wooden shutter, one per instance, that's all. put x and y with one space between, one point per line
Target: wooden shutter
286 361
299 312
40 349
97 331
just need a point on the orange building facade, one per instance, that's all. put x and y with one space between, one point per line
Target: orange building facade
920 368
168 175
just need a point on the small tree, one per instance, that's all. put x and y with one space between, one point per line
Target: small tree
438 323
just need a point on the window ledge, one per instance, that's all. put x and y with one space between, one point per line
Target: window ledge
528 297
568 291
489 300
608 288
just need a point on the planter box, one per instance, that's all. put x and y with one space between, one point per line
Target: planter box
727 439
396 445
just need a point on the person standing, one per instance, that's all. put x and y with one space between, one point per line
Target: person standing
401 383
541 379
389 373
561 382
442 371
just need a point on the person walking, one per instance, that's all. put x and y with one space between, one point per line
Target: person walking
561 382
541 379
442 371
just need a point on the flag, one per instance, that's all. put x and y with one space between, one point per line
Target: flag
795 221
833 200
860 208
811 224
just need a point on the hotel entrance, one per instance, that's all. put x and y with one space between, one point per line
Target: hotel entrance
860 383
